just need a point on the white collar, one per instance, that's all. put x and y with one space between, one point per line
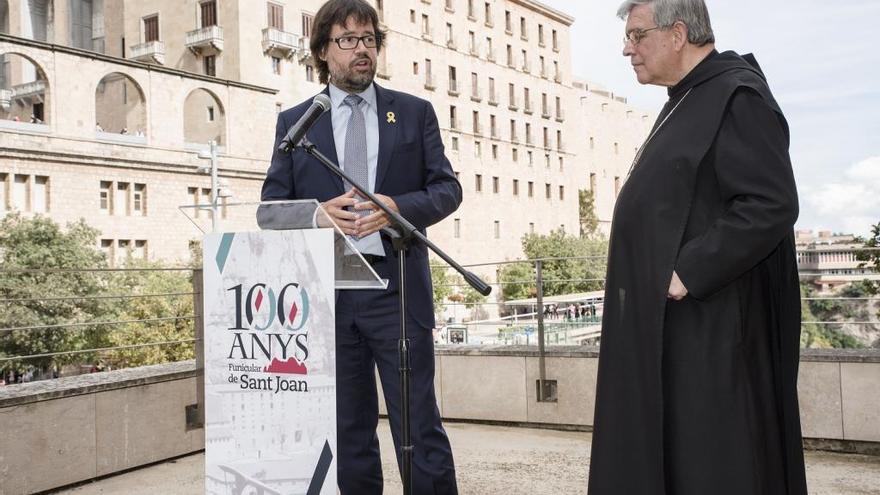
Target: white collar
337 96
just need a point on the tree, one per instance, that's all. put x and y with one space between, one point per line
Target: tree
152 280
589 221
29 249
561 276
871 258
442 286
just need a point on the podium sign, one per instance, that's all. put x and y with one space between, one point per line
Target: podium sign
270 366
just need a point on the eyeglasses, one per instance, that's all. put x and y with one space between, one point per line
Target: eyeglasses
634 36
351 42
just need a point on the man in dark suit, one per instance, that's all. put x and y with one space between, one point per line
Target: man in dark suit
390 142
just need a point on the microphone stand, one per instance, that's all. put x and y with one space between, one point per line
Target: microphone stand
403 234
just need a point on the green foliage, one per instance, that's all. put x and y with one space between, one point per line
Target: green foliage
564 276
589 221
38 243
823 336
143 308
871 258
30 248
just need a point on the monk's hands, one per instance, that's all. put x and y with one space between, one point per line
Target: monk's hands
335 209
677 291
376 220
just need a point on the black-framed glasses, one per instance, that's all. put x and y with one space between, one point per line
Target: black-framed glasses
634 36
351 42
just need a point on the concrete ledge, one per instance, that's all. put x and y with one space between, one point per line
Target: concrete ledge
94 425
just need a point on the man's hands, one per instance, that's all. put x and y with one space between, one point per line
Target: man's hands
349 221
376 220
677 291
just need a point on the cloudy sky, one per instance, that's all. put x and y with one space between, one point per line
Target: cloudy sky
821 60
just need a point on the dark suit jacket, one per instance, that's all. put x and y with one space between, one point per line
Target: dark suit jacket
412 169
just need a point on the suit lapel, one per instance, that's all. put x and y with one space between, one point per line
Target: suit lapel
321 135
389 120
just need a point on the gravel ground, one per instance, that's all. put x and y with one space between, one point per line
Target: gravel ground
496 460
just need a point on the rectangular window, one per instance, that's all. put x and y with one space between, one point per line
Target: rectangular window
495 185
616 186
120 199
531 228
514 154
478 149
307 20
140 249
40 195
276 65
456 228
561 193
4 192
515 187
547 192
478 183
210 114
209 13
276 16
531 189
139 200
105 204
454 143
107 249
593 183
453 117
20 193
497 229
151 29
310 73
523 29
494 151
210 65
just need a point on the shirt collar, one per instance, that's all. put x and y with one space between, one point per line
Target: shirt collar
337 96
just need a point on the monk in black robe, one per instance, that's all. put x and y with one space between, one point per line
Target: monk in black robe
697 384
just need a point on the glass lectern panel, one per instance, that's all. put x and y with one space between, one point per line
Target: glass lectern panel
352 271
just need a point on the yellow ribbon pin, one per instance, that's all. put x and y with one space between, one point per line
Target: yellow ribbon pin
391 119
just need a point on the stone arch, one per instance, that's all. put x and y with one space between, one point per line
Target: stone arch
204 118
120 105
24 89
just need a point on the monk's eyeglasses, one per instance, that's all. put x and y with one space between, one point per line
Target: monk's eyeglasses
634 36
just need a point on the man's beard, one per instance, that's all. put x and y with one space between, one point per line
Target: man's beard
350 80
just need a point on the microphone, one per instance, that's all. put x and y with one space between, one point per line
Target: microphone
297 131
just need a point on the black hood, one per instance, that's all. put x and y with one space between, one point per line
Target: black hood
714 64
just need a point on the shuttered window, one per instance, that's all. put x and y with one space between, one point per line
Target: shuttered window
276 16
151 29
209 14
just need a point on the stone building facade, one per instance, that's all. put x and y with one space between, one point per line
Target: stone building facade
104 106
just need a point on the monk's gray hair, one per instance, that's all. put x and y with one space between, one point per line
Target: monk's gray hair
693 13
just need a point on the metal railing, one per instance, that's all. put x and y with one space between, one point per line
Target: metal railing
65 333
547 301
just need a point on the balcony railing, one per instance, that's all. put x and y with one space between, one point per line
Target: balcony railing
305 52
560 115
476 95
493 99
5 98
546 113
527 108
513 105
33 88
205 39
150 52
279 42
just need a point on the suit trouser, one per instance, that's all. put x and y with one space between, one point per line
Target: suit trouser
367 335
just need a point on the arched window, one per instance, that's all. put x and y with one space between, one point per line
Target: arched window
23 90
204 119
120 106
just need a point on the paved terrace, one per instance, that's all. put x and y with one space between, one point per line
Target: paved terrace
495 460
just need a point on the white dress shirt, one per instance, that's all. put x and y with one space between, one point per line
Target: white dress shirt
340 112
